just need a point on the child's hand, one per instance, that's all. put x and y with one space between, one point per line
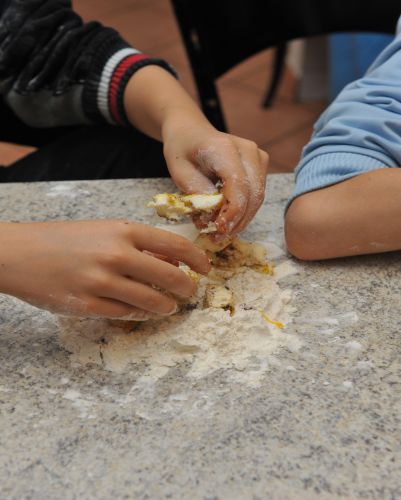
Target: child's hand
198 156
96 268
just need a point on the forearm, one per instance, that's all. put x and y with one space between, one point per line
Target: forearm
153 98
358 216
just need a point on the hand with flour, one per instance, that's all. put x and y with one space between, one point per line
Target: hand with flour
105 268
197 154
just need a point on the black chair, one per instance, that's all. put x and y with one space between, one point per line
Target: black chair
219 34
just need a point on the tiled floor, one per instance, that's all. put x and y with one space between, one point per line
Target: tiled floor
150 26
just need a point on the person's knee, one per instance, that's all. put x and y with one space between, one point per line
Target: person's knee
304 228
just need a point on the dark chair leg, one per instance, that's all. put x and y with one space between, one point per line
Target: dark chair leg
278 68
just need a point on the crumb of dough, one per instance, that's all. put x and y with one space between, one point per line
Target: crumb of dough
241 253
209 228
220 297
175 206
205 243
190 273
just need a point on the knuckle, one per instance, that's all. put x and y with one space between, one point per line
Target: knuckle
126 227
224 142
251 144
112 258
264 157
98 282
239 205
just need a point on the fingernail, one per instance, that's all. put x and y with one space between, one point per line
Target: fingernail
136 316
173 311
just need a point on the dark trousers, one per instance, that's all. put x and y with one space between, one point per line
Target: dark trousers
80 153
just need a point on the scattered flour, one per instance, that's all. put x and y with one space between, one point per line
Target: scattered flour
68 190
206 339
348 384
286 268
353 345
363 366
84 406
273 250
328 325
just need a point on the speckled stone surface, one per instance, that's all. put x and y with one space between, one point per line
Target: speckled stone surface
326 422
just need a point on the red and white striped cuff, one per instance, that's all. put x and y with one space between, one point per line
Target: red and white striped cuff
112 75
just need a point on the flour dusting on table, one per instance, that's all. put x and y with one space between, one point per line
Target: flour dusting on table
206 339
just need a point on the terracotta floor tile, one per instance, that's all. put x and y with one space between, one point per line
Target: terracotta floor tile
146 28
276 168
316 108
175 54
258 62
10 153
287 152
164 6
260 81
247 118
99 10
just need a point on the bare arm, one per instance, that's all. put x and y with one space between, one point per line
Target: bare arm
153 96
358 216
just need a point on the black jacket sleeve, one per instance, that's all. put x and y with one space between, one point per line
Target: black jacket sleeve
55 70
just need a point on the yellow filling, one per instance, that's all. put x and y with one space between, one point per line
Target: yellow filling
174 206
271 321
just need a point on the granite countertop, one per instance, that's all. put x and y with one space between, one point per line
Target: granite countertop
324 423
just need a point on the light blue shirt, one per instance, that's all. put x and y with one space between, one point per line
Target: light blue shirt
360 131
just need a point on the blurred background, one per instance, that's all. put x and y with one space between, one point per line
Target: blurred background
304 90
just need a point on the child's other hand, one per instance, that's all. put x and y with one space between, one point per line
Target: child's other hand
198 156
96 268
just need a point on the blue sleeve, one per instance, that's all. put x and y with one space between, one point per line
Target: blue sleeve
360 131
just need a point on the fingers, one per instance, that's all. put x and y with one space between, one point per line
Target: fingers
97 307
163 257
136 314
189 179
255 164
223 160
113 309
140 296
172 246
153 271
